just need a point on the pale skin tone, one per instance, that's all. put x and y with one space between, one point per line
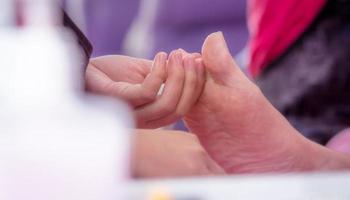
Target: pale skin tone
234 122
242 131
138 82
159 153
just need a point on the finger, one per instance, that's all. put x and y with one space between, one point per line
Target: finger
200 71
185 53
117 68
188 99
95 80
196 55
135 94
186 104
168 101
189 96
141 94
153 82
201 78
98 82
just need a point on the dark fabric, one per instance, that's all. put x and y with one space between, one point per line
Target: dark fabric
310 84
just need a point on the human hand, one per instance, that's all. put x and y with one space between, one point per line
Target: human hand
139 81
127 78
162 153
184 84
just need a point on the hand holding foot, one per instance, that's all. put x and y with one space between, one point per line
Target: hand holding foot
139 81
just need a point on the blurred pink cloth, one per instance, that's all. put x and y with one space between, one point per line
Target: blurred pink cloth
274 25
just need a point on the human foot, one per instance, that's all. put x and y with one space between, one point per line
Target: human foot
239 128
341 142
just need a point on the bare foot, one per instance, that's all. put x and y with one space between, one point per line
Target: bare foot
239 128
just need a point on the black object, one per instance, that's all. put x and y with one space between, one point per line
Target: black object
310 83
82 39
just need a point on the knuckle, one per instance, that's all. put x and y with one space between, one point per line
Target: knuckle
159 76
178 77
167 107
148 95
192 80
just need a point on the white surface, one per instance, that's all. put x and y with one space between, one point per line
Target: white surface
55 143
334 186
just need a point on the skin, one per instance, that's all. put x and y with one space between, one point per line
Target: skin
341 142
150 158
139 81
233 120
242 131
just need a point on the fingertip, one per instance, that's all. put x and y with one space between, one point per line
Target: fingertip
159 65
178 56
162 55
182 51
199 61
196 55
189 62
172 54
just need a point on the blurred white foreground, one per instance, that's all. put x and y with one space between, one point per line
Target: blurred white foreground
334 186
55 141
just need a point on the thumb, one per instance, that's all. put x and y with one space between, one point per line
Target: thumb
218 60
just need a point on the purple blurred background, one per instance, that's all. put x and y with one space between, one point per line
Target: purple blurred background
180 23
108 22
186 23
169 25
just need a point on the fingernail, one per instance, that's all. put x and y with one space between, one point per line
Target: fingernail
162 56
189 62
196 55
178 57
156 59
182 51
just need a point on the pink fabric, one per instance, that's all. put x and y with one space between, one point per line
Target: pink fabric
274 25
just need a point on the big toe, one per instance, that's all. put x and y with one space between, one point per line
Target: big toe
218 59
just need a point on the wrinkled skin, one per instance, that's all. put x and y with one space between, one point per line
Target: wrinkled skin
241 130
139 81
233 120
157 153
